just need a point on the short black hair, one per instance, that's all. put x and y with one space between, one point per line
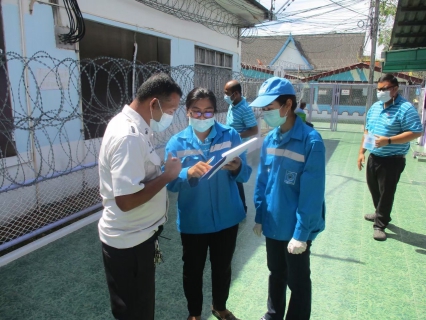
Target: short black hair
236 88
199 93
283 99
302 105
389 77
160 86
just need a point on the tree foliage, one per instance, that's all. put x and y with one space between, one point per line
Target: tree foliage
386 19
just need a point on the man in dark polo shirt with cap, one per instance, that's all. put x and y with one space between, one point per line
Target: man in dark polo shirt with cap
393 122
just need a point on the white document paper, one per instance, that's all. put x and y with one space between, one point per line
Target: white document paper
227 157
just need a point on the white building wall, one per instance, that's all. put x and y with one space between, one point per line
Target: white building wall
27 34
291 58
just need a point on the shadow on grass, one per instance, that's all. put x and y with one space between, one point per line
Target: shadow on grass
408 237
337 258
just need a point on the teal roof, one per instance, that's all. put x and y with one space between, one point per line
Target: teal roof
249 73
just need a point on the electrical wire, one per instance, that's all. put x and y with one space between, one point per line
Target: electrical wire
77 26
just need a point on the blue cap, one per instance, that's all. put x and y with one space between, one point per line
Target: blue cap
272 89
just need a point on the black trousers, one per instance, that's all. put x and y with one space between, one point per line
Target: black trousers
383 174
222 246
130 276
242 194
292 270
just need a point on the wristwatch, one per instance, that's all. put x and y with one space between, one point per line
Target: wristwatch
389 141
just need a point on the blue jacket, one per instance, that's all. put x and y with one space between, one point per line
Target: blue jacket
211 205
290 186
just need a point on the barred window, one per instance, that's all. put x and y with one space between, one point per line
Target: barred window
107 83
213 69
208 57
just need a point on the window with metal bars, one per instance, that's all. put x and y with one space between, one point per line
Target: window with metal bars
212 58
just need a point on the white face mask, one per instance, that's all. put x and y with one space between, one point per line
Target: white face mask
384 96
163 124
201 125
273 117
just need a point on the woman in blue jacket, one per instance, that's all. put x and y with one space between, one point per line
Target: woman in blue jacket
209 210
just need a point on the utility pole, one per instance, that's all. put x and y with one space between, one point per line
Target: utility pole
271 12
373 33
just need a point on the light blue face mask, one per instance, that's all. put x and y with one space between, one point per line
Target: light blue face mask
201 125
273 118
384 96
228 99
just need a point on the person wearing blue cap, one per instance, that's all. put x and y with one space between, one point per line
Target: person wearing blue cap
289 199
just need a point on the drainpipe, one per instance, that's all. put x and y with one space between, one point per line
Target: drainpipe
135 53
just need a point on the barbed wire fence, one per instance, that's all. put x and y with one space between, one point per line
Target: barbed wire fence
53 114
211 15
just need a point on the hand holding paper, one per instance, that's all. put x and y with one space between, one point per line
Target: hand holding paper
233 165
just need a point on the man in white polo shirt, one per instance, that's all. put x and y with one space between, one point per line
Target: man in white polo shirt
134 196
394 122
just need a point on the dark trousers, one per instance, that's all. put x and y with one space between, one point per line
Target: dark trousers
383 174
292 270
242 194
130 276
222 246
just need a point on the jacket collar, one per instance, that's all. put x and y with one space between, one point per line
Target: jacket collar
296 132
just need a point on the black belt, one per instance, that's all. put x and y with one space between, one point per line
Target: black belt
395 156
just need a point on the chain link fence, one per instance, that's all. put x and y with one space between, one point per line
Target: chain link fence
329 105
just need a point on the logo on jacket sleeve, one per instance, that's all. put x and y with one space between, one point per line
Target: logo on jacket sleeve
290 177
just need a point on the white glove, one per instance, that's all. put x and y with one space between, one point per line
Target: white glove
296 246
257 229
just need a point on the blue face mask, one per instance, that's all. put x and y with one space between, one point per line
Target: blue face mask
228 99
201 125
273 117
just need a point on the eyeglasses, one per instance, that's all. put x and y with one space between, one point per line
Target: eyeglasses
385 88
198 114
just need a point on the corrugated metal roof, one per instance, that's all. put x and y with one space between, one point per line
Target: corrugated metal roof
250 12
323 51
409 30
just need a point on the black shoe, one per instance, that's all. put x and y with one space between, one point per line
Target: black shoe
370 217
379 235
229 316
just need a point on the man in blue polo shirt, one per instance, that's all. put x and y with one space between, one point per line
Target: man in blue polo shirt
240 117
394 123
